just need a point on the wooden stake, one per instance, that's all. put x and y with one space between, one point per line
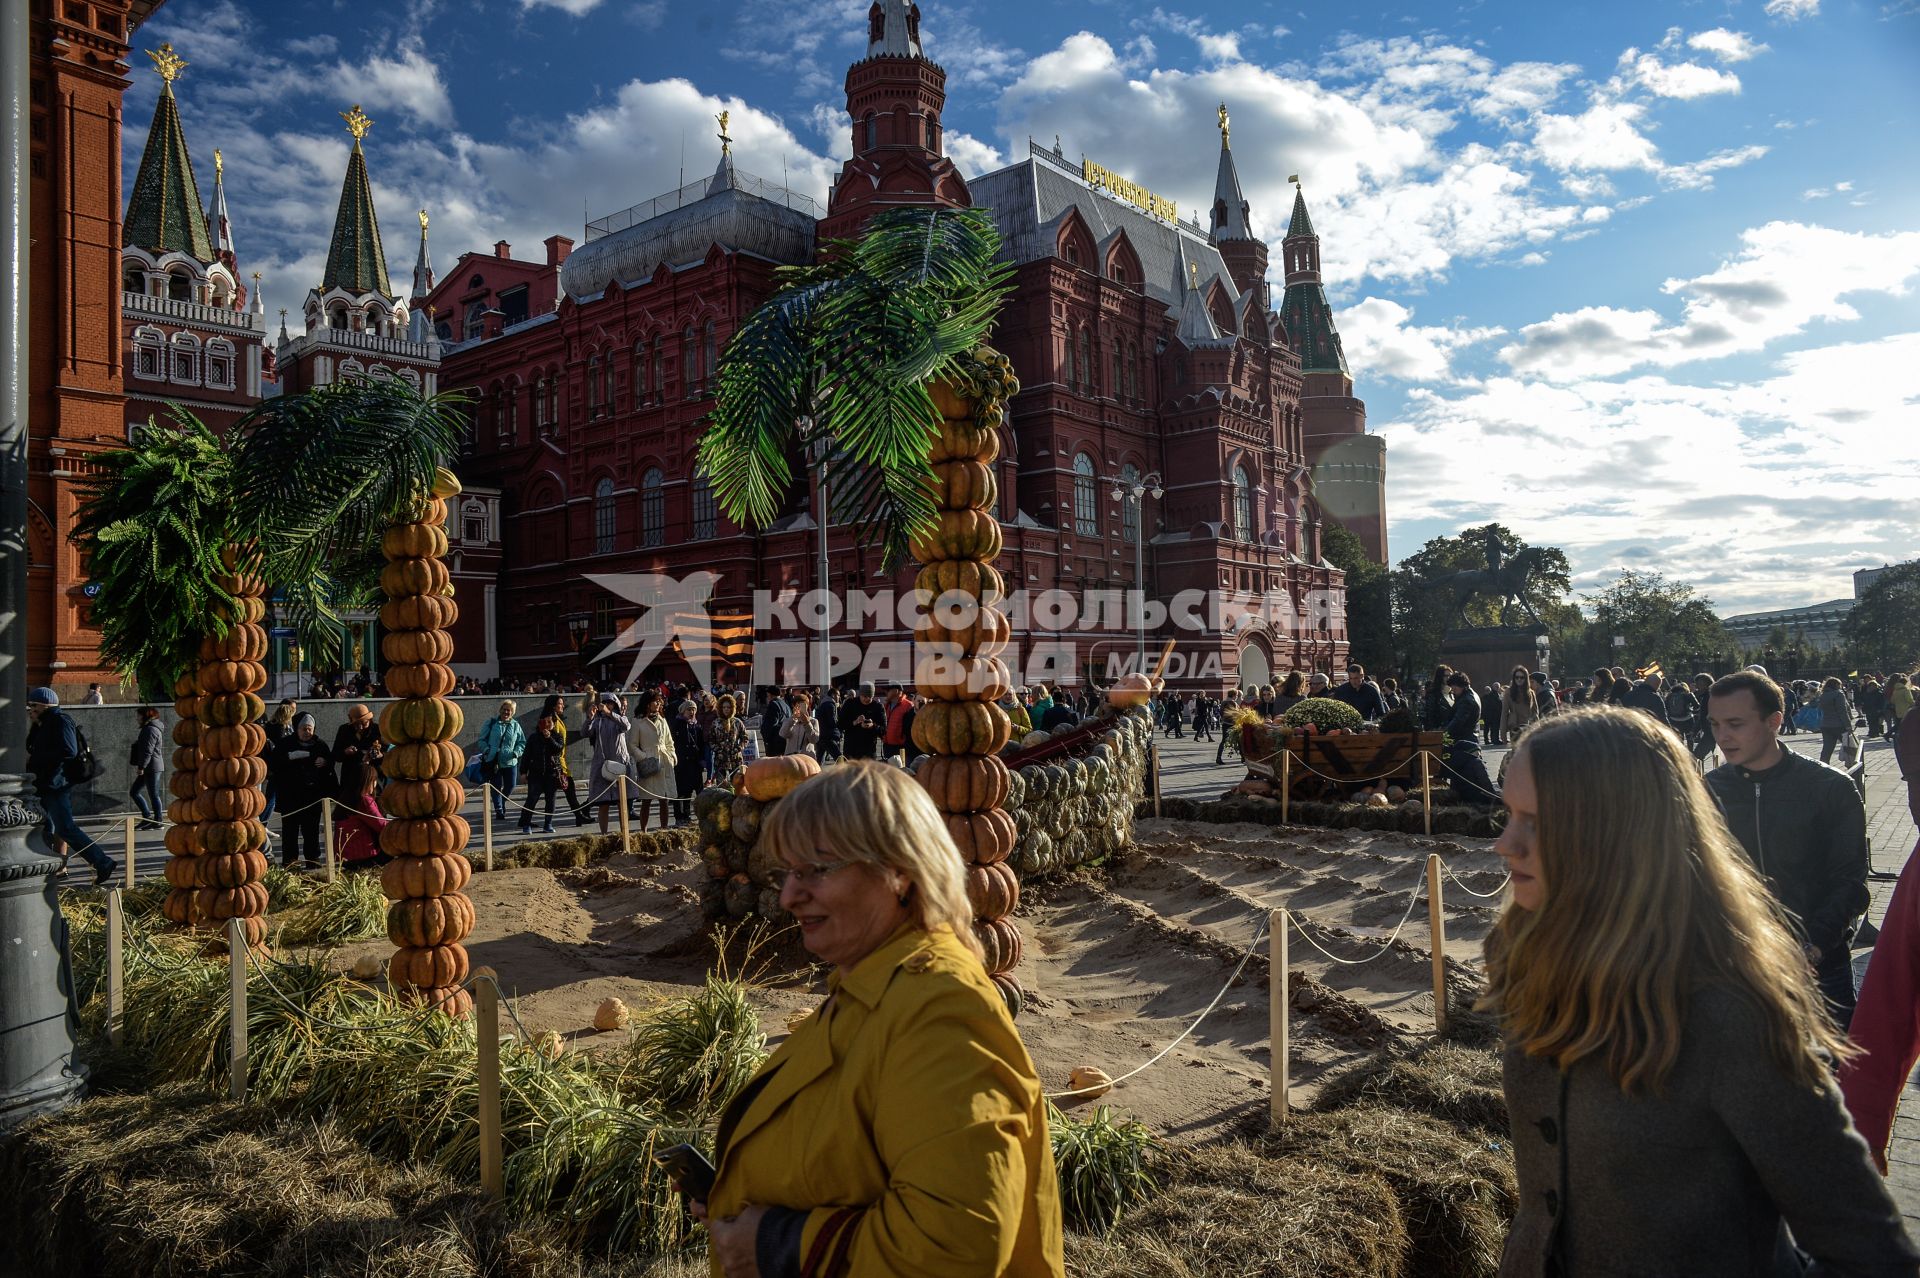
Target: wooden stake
116 963
1153 760
131 822
326 835
1426 789
487 1025
1277 1012
626 829
486 820
237 985
1437 939
1286 781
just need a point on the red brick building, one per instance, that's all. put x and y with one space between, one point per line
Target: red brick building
1145 345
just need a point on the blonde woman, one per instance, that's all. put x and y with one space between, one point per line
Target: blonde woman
728 739
1666 1062
653 760
900 1129
1521 708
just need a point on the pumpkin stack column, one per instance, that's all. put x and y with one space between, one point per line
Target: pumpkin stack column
184 786
430 915
961 727
229 835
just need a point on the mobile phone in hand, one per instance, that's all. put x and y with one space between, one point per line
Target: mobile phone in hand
689 1169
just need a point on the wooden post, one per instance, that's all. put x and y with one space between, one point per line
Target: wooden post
237 984
1286 781
1426 789
1153 766
487 1026
131 822
486 820
626 828
326 836
1277 1012
116 963
1437 939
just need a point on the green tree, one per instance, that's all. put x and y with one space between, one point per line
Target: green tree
1422 610
1883 630
1369 597
844 351
1661 620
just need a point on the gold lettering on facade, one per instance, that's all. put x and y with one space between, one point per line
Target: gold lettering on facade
1105 179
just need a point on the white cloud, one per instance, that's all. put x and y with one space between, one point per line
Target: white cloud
1786 276
1792 10
409 81
1604 136
972 156
1728 46
1677 80
578 8
1522 88
1823 192
1699 174
1378 336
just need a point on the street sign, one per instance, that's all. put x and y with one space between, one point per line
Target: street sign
281 632
91 590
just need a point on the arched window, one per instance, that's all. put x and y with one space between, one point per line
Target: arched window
337 316
604 516
133 277
710 357
933 135
149 353
606 391
653 508
179 285
553 399
1242 504
640 376
660 370
1129 508
351 369
219 364
706 513
1070 378
474 323
473 523
222 290
513 410
873 132
1119 383
1087 371
539 403
689 364
410 377
1086 502
186 359
593 386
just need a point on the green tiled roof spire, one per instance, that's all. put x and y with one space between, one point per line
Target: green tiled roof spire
1301 223
1305 309
356 261
164 214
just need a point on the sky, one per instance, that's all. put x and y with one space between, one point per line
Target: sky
1638 280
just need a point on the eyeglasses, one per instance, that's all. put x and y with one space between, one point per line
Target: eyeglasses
809 874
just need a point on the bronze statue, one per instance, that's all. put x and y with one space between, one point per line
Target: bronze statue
1506 580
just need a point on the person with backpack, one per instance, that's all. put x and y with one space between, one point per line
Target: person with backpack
545 752
58 758
144 758
502 742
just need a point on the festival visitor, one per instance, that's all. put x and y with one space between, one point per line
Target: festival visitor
728 740
861 720
502 742
55 763
94 696
612 758
555 708
1664 1063
1802 825
1059 715
689 759
1490 715
1520 706
277 726
357 749
358 820
1227 711
302 769
1836 717
1899 700
654 759
899 725
1466 773
802 735
144 758
900 1129
1872 702
545 754
1645 697
1361 693
774 715
1886 1024
1434 708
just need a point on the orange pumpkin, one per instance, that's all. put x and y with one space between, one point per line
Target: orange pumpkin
188 707
232 676
776 776
446 1000
229 805
961 727
992 890
180 811
411 647
984 838
225 709
228 870
413 541
236 742
958 534
428 966
946 678
415 577
1010 993
950 400
184 785
960 440
414 877
421 718
415 799
186 759
179 841
178 907
244 642
965 484
1130 690
431 511
187 732
434 920
425 836
419 612
183 686
964 782
423 760
182 871
216 837
233 773
967 577
985 634
248 900
1001 941
433 679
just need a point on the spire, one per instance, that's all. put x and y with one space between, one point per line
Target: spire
1305 310
422 265
259 306
893 29
723 175
356 261
1196 319
218 224
1301 225
1230 208
164 215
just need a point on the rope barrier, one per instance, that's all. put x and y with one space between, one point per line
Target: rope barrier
1385 945
1461 884
1187 1032
1300 761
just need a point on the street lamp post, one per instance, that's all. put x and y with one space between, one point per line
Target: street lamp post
1133 492
819 451
578 624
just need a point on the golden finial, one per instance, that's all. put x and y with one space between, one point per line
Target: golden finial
423 221
726 143
219 165
357 122
167 63
1225 127
256 280
1193 276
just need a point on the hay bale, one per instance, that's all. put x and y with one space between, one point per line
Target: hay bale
1228 1212
1451 1081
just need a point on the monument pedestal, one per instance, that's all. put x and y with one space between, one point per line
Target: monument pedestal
1488 654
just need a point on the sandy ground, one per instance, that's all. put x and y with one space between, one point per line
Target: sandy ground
1118 961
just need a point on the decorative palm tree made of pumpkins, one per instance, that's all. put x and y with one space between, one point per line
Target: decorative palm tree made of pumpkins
879 349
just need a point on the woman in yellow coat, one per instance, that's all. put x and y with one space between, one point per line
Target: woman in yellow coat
900 1130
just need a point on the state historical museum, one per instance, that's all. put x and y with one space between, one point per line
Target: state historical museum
1145 346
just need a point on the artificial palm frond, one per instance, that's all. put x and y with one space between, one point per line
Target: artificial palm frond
154 518
850 344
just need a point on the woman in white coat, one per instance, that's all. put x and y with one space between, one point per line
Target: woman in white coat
653 759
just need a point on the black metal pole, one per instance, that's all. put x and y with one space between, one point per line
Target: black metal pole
36 1037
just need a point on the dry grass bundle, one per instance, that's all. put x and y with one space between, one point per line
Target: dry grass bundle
351 908
1457 1084
587 849
1105 1168
691 1055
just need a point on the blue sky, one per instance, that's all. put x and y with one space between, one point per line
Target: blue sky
1637 279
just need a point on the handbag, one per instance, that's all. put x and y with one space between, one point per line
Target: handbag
648 767
612 770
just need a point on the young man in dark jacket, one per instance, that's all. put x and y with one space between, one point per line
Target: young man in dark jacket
1646 696
1801 822
862 720
1362 693
1464 768
53 743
